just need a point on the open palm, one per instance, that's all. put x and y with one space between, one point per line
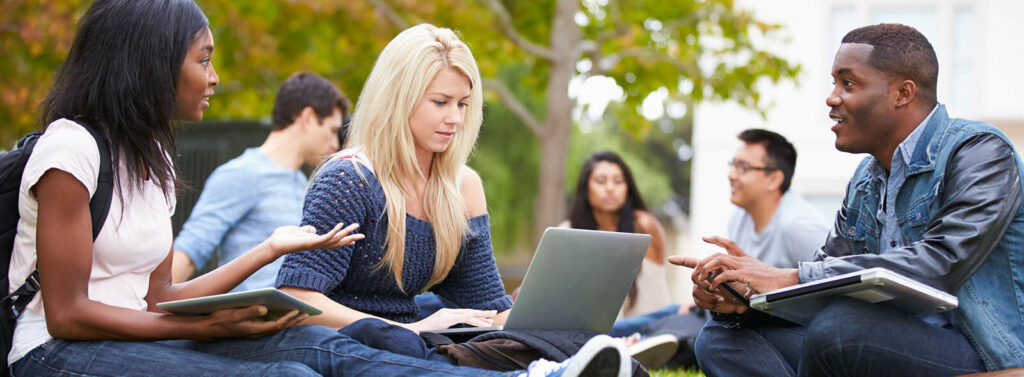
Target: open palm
289 239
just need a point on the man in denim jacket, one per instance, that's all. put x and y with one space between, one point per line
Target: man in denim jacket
938 199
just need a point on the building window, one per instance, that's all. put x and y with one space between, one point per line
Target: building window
962 78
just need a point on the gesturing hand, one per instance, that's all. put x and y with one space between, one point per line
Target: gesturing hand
744 273
445 318
716 300
289 239
737 266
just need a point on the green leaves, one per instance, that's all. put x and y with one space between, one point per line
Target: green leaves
698 50
34 37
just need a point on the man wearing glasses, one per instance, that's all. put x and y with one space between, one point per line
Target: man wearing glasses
774 225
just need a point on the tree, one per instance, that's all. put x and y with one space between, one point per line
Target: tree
258 44
697 50
34 37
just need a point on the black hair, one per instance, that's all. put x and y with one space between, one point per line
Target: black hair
581 214
121 77
307 89
779 152
903 52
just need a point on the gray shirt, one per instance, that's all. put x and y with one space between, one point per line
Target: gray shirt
794 233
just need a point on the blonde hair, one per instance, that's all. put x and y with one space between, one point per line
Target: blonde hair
380 129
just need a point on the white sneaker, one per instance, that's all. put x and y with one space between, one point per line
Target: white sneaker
655 351
602 356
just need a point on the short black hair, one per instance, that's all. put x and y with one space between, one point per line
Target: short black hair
779 152
304 89
901 51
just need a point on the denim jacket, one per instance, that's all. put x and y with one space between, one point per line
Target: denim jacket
961 219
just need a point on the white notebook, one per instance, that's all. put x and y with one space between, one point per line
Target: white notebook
799 303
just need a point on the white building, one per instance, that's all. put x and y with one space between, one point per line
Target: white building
979 47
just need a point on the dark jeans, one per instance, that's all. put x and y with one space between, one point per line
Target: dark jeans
297 351
848 338
381 335
629 325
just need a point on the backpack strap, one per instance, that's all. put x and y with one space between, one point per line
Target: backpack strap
99 206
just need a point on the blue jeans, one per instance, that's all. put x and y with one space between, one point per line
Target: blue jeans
381 335
629 325
297 351
848 338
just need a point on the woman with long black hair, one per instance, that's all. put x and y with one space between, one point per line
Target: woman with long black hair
607 199
135 70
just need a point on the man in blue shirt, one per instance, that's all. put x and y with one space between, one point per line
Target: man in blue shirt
938 200
245 199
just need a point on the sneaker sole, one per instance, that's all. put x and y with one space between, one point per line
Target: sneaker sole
652 356
604 364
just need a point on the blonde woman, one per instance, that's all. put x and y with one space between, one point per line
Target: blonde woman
404 178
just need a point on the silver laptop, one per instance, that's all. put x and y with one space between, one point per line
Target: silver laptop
577 280
799 303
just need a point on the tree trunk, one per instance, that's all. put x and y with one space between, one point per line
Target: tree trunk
549 208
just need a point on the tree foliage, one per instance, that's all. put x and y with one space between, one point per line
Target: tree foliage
528 51
34 36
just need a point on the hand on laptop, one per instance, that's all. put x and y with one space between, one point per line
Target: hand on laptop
446 318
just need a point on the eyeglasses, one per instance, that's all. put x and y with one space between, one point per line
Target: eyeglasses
745 167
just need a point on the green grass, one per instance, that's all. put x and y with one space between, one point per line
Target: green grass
676 373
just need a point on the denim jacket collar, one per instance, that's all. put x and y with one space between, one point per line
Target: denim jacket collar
904 151
927 148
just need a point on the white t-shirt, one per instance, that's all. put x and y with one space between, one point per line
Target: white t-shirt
135 238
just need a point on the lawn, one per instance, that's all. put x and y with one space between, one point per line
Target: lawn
676 373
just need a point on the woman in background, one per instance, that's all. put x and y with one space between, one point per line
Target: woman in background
607 199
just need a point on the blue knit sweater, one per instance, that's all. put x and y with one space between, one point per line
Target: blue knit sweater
347 275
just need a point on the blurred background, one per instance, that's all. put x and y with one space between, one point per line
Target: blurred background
666 84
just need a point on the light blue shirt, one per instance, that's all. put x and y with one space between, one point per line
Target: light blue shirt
242 203
891 236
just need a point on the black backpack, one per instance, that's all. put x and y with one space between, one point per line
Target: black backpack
12 165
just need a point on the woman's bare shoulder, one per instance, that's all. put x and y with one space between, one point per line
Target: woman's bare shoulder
472 189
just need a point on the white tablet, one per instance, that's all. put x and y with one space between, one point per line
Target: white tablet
799 303
278 303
